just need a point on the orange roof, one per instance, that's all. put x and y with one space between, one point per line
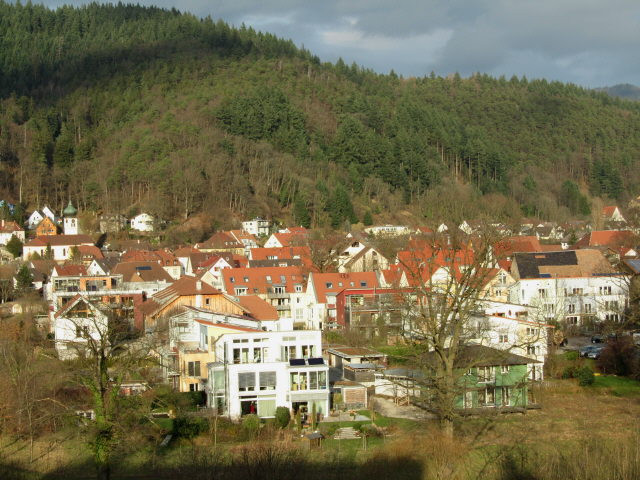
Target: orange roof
518 244
258 308
423 260
290 239
280 253
261 279
298 230
609 211
606 238
324 283
141 271
90 250
393 275
220 240
9 227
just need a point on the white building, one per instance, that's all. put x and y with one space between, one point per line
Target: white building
575 286
74 324
38 215
61 246
9 229
70 220
143 222
257 226
388 230
258 372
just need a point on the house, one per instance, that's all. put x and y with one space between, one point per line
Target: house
376 312
88 253
256 372
210 271
258 227
137 272
387 230
163 257
46 227
77 323
102 266
282 287
393 277
613 214
320 309
358 257
283 256
38 215
62 246
288 238
341 356
486 378
9 229
247 239
221 242
572 286
614 239
143 222
349 395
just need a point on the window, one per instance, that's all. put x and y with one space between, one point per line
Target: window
193 369
571 308
611 305
542 293
207 301
289 352
267 380
240 355
257 355
232 280
363 284
246 382
298 381
532 331
279 290
268 278
329 285
572 320
241 290
82 332
245 279
577 291
308 351
605 290
503 338
486 397
532 349
193 387
548 307
506 396
612 317
504 369
587 308
485 374
298 288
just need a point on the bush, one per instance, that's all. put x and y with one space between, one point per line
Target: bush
251 424
571 355
283 417
371 430
190 427
585 376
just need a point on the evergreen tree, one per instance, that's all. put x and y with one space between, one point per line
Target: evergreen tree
14 246
301 213
24 279
368 219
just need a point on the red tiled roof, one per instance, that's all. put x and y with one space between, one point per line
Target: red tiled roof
90 250
609 211
324 283
59 240
9 227
220 240
187 286
70 270
606 238
290 239
280 253
519 244
260 279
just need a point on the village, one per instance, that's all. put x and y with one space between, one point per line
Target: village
265 318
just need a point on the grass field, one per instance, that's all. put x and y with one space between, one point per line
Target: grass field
618 386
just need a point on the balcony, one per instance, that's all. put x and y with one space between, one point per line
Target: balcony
281 308
278 295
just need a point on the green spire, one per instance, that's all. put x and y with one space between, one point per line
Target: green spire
70 211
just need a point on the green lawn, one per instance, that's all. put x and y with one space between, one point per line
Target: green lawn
618 386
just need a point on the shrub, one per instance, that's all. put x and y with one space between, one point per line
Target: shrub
371 430
283 417
585 376
190 427
571 355
251 424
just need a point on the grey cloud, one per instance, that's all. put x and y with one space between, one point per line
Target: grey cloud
589 42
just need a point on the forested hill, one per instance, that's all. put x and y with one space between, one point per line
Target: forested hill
126 107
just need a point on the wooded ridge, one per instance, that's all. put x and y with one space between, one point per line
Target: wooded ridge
124 108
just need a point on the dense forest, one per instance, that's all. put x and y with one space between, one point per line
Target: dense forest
123 108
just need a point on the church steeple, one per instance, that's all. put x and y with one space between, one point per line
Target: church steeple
70 222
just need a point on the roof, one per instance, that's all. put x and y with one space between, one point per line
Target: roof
633 264
90 250
70 270
59 240
280 253
608 238
483 356
186 286
324 283
220 240
141 272
70 210
258 308
227 325
342 351
609 211
261 280
9 227
291 238
567 263
107 263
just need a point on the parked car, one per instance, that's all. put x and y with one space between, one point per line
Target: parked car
584 351
595 352
597 339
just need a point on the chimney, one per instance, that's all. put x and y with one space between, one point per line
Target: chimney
199 285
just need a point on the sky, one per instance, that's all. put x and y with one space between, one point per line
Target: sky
592 43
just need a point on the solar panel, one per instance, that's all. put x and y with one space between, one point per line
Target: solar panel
316 361
144 267
296 362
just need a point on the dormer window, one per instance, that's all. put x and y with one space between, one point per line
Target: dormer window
329 285
268 278
232 280
363 284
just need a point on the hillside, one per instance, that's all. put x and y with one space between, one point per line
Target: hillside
624 90
125 107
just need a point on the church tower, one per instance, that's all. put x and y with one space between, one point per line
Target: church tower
70 221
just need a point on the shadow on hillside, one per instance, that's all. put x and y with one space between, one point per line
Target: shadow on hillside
267 467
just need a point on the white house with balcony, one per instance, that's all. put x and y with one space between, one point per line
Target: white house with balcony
256 372
258 226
